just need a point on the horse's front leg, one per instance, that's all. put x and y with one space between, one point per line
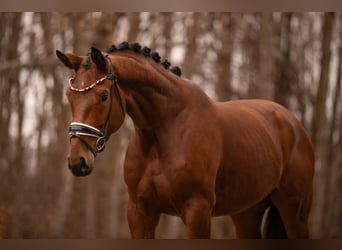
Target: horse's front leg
141 220
197 218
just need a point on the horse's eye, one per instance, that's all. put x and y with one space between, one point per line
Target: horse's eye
104 96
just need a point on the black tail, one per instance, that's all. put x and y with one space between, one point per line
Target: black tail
273 226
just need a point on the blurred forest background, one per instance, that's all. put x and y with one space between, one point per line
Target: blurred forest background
291 58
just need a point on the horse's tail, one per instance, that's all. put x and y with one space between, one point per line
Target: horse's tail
273 226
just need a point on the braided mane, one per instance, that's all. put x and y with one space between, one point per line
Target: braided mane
146 51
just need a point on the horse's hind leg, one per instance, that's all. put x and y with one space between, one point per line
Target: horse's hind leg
294 212
248 223
293 195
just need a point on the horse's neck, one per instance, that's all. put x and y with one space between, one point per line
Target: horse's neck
154 96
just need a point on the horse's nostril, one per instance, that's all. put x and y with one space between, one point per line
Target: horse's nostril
80 168
84 169
82 161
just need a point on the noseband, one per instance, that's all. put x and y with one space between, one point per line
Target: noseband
79 129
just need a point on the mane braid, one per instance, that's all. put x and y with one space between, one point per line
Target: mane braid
166 63
155 56
145 51
135 47
111 49
123 46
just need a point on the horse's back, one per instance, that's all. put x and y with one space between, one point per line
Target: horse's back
279 123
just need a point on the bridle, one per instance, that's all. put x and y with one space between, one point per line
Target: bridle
79 129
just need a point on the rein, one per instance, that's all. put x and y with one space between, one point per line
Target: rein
79 129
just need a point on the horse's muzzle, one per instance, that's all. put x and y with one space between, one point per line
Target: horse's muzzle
81 168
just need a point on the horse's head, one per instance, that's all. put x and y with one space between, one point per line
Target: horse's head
97 106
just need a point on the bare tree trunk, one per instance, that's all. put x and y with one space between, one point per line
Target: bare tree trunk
104 30
338 187
6 109
134 22
12 106
191 65
301 68
167 28
319 120
320 107
264 87
224 57
331 167
285 72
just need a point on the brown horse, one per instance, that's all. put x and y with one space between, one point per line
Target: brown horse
190 156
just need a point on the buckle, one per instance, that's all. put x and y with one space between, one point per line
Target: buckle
100 144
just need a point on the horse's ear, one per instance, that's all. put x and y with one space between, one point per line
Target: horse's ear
98 58
70 60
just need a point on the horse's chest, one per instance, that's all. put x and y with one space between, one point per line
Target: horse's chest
154 188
